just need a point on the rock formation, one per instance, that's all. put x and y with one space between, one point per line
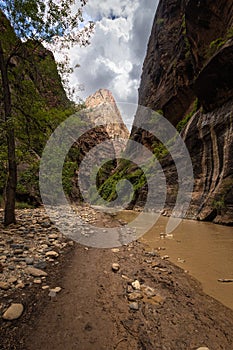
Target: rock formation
102 110
189 63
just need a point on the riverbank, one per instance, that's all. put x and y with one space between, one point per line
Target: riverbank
126 298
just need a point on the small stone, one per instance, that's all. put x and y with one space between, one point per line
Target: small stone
36 272
135 296
56 290
203 348
29 261
12 280
115 267
134 306
4 285
13 312
37 281
126 278
45 287
52 254
53 236
20 285
115 250
52 294
136 285
40 265
165 257
18 251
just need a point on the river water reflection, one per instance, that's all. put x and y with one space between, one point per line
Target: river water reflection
203 249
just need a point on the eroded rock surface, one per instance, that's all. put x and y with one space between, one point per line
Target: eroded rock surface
187 76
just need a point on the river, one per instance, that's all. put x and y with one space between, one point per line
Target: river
203 249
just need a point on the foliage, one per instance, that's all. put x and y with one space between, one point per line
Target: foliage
160 21
217 43
218 204
184 32
126 170
180 126
159 150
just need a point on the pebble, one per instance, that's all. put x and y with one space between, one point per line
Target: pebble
40 265
203 348
45 287
29 261
115 267
134 306
12 280
56 290
52 254
165 257
13 312
136 285
115 250
4 285
52 294
53 236
37 281
36 272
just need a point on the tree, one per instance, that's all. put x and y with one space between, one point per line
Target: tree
54 22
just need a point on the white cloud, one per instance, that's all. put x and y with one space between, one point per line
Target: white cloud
115 57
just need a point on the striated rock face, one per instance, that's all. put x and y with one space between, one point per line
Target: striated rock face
102 110
181 44
190 58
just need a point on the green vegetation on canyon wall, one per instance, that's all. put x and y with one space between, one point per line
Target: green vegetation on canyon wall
39 105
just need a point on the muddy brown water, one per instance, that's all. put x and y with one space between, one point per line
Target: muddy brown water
204 250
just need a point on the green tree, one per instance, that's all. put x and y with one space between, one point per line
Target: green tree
51 22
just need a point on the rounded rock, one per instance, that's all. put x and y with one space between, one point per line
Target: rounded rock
13 312
115 267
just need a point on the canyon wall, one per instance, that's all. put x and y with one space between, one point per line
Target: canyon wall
188 77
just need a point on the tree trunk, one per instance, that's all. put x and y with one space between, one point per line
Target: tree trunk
9 217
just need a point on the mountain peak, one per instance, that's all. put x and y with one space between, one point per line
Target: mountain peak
99 97
102 109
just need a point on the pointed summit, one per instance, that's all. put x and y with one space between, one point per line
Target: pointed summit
99 97
102 109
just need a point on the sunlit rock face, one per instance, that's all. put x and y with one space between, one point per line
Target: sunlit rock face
101 109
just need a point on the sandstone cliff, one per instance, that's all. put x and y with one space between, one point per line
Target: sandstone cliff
102 108
188 76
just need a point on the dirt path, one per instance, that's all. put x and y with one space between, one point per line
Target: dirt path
93 311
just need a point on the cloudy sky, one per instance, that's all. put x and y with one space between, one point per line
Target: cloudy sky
117 51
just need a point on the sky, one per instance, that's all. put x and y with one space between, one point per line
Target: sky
118 46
